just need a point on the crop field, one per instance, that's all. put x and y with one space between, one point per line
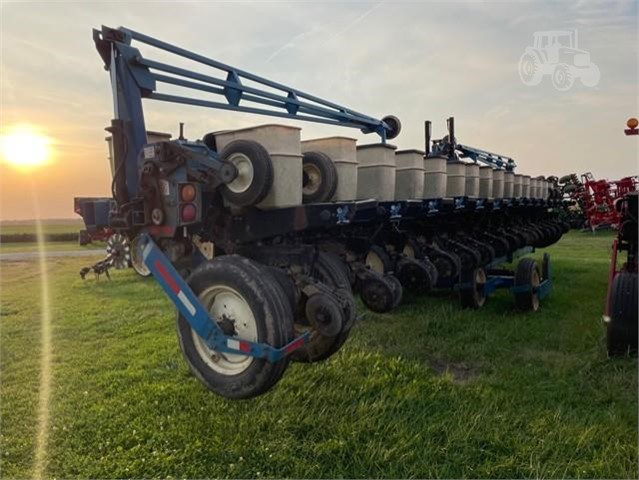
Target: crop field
51 226
427 391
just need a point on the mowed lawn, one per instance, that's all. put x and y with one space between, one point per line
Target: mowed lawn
427 391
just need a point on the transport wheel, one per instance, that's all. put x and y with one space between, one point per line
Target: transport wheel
396 287
254 173
248 304
319 178
118 251
380 294
621 328
472 294
136 258
378 260
330 270
414 275
394 124
527 274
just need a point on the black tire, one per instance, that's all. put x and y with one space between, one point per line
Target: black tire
260 292
472 294
395 126
255 177
527 273
330 270
414 275
319 181
448 264
378 260
379 294
621 329
397 288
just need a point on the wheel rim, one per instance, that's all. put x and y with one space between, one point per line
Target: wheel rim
409 251
245 173
312 179
137 262
374 262
528 68
226 305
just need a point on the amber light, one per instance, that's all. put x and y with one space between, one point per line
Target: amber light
189 213
187 193
632 123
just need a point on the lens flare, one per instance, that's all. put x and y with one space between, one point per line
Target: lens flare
23 147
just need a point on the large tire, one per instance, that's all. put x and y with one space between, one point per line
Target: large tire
319 178
330 270
247 300
621 329
255 173
527 273
562 77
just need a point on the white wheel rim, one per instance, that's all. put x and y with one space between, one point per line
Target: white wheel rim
245 173
224 302
409 251
137 262
374 262
313 179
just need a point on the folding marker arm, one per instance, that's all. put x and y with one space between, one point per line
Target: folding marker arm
201 322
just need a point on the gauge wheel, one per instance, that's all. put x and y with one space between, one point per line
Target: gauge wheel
329 269
248 304
319 178
254 173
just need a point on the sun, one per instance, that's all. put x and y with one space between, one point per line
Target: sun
22 146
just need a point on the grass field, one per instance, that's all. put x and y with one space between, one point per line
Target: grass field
428 391
49 226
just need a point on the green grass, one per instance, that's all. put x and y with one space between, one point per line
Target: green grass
49 226
49 246
428 391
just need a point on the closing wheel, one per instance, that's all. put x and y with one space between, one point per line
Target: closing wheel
527 274
331 271
248 304
621 327
394 126
137 262
448 264
472 294
254 173
378 260
319 178
118 251
378 294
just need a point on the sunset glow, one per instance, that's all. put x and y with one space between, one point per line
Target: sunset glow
24 147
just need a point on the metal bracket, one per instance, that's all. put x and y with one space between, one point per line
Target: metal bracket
201 322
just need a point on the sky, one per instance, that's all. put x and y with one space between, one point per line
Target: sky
416 60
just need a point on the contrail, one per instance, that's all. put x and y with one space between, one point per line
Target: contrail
45 355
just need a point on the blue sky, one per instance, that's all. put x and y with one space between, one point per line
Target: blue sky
417 60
